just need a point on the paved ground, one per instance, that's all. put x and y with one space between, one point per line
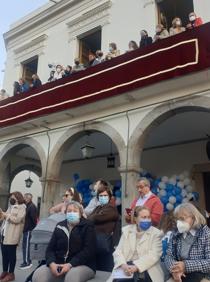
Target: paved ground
22 274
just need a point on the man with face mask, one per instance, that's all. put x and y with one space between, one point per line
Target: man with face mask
194 21
77 66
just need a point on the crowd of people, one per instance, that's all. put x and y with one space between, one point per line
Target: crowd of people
58 71
153 247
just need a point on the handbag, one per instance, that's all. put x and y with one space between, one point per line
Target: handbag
104 243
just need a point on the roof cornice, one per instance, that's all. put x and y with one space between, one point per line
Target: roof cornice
38 19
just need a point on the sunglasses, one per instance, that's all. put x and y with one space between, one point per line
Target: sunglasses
66 195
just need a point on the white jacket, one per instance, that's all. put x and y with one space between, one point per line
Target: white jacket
149 251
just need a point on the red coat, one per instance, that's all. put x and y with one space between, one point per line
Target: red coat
155 206
197 22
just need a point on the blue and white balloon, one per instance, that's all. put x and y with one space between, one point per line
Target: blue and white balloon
164 179
162 185
180 184
172 200
186 181
169 207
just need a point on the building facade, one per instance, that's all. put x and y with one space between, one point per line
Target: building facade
148 108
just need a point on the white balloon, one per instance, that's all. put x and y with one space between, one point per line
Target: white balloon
181 177
162 193
172 181
186 181
180 184
184 193
118 201
172 200
162 185
185 200
164 179
189 196
91 186
189 188
169 207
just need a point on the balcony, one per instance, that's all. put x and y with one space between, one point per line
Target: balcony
174 57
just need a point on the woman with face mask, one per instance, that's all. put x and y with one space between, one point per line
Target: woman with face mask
113 51
188 254
70 255
176 27
105 218
194 21
161 33
11 232
137 256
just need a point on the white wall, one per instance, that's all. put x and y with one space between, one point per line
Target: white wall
202 8
174 160
18 184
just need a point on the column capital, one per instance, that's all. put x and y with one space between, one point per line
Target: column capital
129 169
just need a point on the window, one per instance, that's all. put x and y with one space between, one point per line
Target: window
89 42
169 9
29 68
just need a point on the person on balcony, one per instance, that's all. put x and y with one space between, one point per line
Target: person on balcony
194 21
16 88
113 51
77 66
176 27
148 199
132 45
146 40
67 71
3 94
36 82
137 256
188 253
24 86
99 56
59 72
92 60
161 33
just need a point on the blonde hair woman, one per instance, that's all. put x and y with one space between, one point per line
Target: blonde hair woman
188 255
176 27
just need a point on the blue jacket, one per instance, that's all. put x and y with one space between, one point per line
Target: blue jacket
199 255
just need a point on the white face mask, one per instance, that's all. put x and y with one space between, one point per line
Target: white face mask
192 18
58 70
182 226
178 23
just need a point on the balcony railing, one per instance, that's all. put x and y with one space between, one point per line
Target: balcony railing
171 57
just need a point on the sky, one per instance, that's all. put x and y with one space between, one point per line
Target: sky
11 11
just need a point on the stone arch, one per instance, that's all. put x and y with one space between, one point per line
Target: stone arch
159 115
15 145
72 134
31 167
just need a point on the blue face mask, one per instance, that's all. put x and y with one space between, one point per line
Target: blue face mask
145 224
93 193
73 217
103 200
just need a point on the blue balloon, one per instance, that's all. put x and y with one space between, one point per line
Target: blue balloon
164 199
75 176
118 193
179 199
177 190
169 187
196 195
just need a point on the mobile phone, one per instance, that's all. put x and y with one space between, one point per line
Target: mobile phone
128 211
59 269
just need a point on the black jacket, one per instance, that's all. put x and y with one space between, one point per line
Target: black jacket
31 217
145 41
78 249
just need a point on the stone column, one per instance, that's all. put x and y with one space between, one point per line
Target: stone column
50 190
4 187
129 178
